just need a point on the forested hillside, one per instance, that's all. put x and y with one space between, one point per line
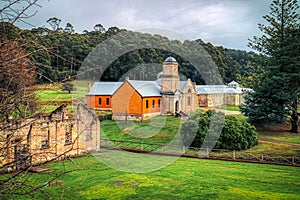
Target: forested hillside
60 52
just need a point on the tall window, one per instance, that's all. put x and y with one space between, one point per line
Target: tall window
147 104
45 143
100 101
189 101
153 103
68 137
189 91
89 134
107 101
158 103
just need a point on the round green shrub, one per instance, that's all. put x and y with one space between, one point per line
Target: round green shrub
235 135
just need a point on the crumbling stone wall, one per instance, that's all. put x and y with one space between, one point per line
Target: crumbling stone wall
41 139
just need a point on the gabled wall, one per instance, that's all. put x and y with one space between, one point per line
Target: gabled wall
127 101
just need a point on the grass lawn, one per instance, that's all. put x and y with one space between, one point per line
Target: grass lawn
49 108
53 93
185 178
156 130
274 149
240 117
163 130
284 137
233 108
279 132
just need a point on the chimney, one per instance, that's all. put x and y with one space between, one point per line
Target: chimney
89 87
127 78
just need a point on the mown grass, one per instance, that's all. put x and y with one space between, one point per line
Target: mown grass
53 93
163 130
279 132
283 137
156 130
50 108
270 148
183 179
240 117
232 108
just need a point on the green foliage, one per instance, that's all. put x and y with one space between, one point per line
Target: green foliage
269 103
278 93
68 86
63 52
236 134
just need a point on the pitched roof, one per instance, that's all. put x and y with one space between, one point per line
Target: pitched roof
216 89
182 85
233 83
146 88
104 88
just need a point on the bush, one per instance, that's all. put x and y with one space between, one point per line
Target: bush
235 135
68 86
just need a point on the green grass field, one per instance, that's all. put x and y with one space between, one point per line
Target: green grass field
53 93
163 129
156 130
284 137
186 178
232 108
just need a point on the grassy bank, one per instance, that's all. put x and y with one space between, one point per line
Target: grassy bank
183 179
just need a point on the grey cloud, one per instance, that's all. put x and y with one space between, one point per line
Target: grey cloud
228 23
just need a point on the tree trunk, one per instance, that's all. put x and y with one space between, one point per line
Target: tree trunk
294 117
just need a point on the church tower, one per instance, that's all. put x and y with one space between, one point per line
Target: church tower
170 81
170 87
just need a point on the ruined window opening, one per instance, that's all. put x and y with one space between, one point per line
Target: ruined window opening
45 143
68 138
89 136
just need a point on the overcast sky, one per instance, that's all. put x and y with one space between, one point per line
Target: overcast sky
222 22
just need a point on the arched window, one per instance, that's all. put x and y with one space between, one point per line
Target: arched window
189 90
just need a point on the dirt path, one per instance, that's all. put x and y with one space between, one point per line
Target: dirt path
279 142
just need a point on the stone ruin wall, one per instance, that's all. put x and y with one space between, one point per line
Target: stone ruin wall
51 138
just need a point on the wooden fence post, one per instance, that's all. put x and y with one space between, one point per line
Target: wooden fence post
293 159
207 153
142 146
262 157
233 154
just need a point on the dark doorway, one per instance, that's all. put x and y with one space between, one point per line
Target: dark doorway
21 156
177 107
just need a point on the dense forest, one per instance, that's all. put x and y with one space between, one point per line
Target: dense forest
60 52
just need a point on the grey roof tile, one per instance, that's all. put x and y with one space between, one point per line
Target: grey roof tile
146 88
104 88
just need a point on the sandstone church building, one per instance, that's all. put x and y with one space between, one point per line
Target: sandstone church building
138 100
